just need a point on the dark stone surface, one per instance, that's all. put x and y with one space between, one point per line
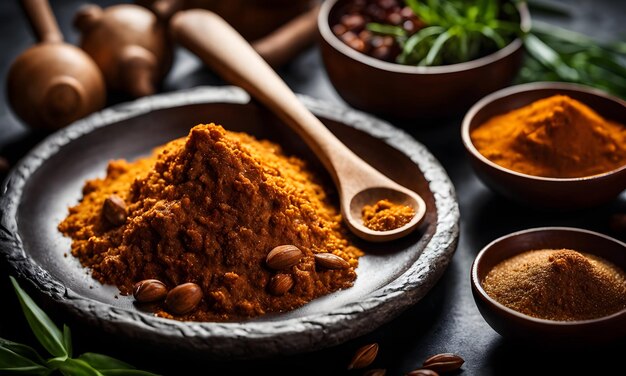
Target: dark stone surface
445 320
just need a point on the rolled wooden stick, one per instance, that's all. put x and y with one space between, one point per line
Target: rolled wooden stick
42 20
285 43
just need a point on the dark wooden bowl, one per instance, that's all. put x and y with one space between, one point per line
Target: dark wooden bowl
536 191
548 333
411 92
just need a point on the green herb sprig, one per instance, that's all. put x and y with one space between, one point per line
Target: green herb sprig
459 31
456 31
558 54
20 359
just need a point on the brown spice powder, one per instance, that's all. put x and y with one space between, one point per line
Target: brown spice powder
386 215
207 209
562 285
556 137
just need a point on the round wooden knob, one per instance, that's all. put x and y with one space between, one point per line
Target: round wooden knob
53 84
63 98
130 45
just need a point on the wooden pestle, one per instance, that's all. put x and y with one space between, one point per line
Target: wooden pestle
130 45
278 47
52 83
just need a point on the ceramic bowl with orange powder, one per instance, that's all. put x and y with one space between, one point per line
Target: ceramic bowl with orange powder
549 144
553 287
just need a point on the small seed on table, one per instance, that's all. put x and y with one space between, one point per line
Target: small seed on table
364 356
375 372
283 257
443 362
422 372
149 290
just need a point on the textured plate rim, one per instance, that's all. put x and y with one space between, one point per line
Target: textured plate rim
312 332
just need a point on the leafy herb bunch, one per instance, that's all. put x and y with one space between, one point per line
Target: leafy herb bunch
456 31
20 359
463 30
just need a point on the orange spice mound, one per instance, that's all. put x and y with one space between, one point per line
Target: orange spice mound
553 137
386 215
562 285
207 209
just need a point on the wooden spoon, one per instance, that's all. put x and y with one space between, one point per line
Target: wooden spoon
227 52
52 83
277 47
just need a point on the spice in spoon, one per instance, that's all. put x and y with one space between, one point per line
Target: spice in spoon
385 215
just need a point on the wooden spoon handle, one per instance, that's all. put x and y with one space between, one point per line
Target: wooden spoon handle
284 43
221 47
42 20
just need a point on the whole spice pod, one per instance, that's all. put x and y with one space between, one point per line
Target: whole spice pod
330 261
444 362
422 372
280 284
283 257
183 298
114 210
149 290
375 372
364 356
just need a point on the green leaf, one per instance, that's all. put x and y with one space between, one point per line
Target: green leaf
18 359
74 367
67 340
493 35
23 350
548 57
42 326
392 30
110 366
102 362
436 48
127 372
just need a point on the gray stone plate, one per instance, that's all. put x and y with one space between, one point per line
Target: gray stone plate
390 277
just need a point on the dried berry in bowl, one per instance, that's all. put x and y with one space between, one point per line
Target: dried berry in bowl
430 33
431 67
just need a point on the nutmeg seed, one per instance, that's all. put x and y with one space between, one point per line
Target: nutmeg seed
280 284
283 257
183 298
364 356
422 372
114 210
149 290
443 362
331 261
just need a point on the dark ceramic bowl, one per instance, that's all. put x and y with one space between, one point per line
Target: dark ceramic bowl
536 191
538 332
411 92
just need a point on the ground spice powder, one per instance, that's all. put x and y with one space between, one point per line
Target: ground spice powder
562 285
207 209
556 137
385 215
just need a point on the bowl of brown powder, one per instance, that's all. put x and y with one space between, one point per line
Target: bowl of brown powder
550 145
553 286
